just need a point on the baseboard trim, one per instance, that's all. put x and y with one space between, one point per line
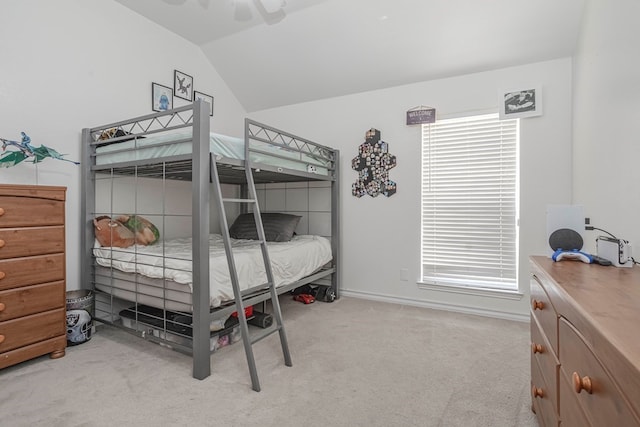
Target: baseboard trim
437 305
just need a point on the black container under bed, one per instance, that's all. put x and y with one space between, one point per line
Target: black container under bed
172 326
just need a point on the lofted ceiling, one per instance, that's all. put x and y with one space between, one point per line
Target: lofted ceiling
271 56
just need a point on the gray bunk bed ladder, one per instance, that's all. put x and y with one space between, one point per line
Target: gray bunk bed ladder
252 201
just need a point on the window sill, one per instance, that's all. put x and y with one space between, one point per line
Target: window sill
467 290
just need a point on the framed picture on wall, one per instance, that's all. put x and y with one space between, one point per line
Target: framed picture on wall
199 95
161 97
526 102
182 85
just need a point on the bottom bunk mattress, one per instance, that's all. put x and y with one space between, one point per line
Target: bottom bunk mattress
160 275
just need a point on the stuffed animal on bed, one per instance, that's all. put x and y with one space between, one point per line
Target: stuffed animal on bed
125 230
113 233
145 232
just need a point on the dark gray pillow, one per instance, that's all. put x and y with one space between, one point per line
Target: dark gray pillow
278 227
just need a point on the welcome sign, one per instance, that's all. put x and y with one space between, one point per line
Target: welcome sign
420 115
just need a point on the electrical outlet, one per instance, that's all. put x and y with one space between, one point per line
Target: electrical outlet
587 221
404 274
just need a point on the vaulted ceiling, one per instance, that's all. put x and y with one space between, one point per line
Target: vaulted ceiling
279 52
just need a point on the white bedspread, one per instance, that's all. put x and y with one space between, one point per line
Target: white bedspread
171 259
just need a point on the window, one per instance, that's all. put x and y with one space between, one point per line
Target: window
469 202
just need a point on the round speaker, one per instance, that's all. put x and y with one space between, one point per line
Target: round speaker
565 239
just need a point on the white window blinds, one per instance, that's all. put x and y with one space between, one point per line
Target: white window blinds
469 201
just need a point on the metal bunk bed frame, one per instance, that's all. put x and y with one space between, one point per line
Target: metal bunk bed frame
203 169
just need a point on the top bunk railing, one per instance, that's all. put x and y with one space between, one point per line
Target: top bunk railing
261 133
151 144
177 118
288 152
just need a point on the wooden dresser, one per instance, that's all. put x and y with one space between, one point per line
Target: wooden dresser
32 272
585 344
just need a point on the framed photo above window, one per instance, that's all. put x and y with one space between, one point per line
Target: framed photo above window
199 95
519 103
161 97
182 85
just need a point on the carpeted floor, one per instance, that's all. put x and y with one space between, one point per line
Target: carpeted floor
355 363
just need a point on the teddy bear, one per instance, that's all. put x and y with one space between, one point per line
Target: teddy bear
110 232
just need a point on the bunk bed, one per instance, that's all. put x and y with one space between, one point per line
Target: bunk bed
175 291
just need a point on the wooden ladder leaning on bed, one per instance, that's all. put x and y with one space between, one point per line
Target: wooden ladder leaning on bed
247 339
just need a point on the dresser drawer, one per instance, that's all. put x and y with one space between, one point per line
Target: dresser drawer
54 346
31 329
540 399
595 392
31 299
31 270
21 242
544 312
543 355
571 414
16 211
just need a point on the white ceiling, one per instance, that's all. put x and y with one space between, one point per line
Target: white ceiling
314 49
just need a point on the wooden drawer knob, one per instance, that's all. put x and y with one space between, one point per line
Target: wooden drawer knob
2 306
1 211
1 243
537 305
2 275
536 392
583 383
536 348
1 339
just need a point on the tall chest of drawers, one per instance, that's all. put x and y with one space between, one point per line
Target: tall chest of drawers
32 272
585 344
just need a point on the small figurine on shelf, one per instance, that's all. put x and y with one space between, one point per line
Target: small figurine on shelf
25 151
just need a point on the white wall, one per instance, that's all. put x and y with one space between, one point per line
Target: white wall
69 64
79 63
381 236
607 119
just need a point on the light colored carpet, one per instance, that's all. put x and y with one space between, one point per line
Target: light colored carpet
355 363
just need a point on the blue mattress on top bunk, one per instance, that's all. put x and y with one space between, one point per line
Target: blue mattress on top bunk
161 146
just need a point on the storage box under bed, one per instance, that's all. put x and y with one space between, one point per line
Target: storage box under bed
175 327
